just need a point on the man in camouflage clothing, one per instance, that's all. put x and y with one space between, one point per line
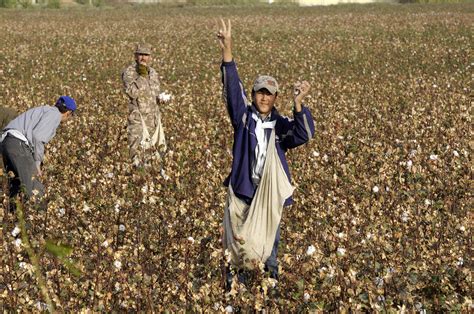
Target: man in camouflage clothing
142 86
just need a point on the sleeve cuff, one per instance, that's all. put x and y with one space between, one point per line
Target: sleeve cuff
228 63
296 113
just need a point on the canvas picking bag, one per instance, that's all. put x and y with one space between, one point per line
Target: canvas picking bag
249 231
158 136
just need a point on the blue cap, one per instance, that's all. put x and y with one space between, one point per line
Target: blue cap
68 102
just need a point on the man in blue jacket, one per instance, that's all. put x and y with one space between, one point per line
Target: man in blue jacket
23 139
256 123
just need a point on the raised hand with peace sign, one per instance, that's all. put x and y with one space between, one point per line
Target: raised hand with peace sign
224 36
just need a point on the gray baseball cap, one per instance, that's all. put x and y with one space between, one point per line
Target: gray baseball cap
267 82
143 49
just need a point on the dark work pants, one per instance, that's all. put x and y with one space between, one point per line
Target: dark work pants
271 265
18 158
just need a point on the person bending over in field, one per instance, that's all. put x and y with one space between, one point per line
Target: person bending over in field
22 144
146 136
259 182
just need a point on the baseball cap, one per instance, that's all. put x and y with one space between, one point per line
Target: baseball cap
267 82
143 49
68 102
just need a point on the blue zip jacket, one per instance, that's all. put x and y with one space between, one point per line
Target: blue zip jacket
289 133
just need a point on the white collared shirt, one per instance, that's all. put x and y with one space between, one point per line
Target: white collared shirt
15 133
261 148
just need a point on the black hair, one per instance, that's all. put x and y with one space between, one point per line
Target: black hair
61 107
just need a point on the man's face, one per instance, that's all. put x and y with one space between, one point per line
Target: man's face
142 59
264 101
66 116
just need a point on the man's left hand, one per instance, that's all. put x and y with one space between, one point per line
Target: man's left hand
142 70
301 90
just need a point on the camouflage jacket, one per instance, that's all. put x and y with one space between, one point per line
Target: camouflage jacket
142 91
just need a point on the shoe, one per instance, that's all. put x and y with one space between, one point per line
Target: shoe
229 278
272 272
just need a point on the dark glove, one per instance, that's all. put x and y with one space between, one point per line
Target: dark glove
142 70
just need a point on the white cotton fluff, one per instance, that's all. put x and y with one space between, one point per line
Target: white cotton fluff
118 264
165 97
16 231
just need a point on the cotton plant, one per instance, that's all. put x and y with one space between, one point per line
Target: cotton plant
386 126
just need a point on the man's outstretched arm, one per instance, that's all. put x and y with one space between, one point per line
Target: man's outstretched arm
301 129
225 40
233 91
